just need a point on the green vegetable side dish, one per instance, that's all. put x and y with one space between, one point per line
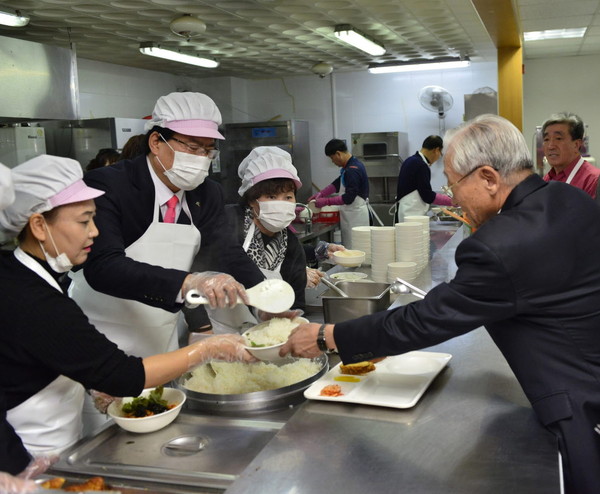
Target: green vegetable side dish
256 345
146 406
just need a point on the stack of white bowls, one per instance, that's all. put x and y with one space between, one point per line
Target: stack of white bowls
361 240
425 222
383 251
409 243
406 271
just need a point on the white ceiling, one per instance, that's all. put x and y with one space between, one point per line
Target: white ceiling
274 38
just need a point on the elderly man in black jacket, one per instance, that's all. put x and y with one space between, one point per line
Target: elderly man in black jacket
530 274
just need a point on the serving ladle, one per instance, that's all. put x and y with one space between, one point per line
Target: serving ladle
331 285
274 296
405 288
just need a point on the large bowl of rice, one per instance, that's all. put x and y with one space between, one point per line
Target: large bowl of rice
266 339
237 388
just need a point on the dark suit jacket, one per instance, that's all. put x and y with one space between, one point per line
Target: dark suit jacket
125 212
531 276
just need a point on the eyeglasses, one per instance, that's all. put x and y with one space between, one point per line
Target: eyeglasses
447 189
199 150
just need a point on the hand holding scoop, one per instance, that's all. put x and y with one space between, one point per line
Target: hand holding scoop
274 296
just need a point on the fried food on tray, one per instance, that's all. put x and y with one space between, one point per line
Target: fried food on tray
358 369
55 483
332 390
93 484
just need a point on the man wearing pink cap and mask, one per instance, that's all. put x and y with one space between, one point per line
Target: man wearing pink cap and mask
158 212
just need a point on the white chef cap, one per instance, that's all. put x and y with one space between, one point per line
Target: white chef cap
192 114
41 184
263 163
7 192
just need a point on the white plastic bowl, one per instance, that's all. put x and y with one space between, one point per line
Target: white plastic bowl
349 258
268 353
153 422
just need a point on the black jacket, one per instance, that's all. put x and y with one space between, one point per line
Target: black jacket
125 212
531 276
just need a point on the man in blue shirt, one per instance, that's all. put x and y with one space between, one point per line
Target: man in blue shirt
414 193
354 197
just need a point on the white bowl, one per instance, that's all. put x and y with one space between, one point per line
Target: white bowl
153 422
268 353
349 258
351 276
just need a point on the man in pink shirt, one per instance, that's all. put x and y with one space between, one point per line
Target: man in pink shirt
563 136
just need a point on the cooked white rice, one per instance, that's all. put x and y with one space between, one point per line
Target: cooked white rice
238 377
275 332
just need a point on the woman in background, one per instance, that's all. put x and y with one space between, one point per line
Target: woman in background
260 224
105 157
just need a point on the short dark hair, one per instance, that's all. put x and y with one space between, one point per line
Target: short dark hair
271 186
134 147
163 131
334 146
433 142
576 127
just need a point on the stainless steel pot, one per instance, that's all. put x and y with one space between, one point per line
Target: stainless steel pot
250 403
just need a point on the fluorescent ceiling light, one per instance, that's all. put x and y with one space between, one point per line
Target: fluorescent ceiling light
577 32
434 64
13 20
156 51
347 34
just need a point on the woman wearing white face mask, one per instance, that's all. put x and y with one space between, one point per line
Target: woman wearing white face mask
49 351
259 223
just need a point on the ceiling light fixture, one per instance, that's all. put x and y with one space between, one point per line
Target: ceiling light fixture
13 20
157 51
353 37
322 69
187 26
577 32
433 64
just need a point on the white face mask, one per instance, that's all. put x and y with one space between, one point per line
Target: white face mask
188 170
59 264
276 215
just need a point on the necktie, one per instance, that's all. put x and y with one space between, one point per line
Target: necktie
171 210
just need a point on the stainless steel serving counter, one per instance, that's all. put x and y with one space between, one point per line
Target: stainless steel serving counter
472 432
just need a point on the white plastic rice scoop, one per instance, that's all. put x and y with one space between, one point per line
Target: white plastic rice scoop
274 296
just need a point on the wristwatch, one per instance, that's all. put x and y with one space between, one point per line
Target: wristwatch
321 343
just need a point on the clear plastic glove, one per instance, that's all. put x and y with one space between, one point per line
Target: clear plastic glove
313 277
15 485
220 289
288 314
331 248
101 400
38 466
225 347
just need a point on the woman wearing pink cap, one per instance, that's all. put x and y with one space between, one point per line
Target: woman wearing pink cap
259 224
49 351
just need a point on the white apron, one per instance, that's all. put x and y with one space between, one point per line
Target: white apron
239 318
574 171
351 215
49 421
411 205
139 329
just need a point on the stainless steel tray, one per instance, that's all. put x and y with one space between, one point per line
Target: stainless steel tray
195 451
